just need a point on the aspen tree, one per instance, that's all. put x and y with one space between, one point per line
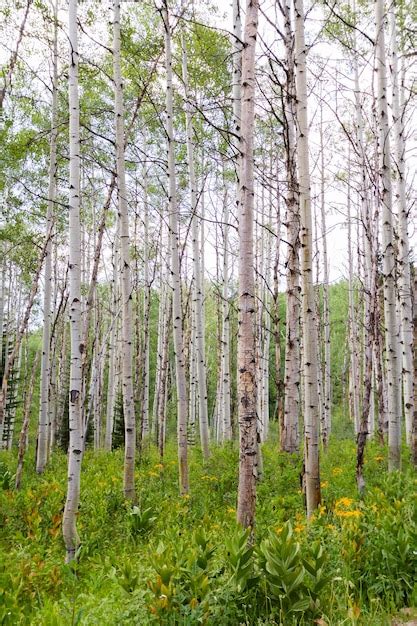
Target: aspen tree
388 253
224 395
175 267
248 458
197 277
42 449
353 335
161 309
146 313
310 373
76 430
403 259
225 354
414 423
326 310
289 437
126 283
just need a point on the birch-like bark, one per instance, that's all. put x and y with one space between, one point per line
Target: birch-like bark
76 431
225 353
114 321
42 449
289 437
326 309
126 283
414 423
146 314
353 334
388 253
158 367
248 458
310 373
175 268
163 384
403 259
197 278
237 82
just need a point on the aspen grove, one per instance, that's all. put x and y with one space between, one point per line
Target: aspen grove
208 312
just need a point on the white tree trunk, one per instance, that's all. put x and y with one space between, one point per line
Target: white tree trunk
126 283
146 314
76 442
197 277
289 436
248 458
311 399
175 269
403 260
225 350
388 253
326 306
42 449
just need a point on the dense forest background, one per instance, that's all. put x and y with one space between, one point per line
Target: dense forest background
208 329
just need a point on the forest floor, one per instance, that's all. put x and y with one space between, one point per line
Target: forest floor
183 560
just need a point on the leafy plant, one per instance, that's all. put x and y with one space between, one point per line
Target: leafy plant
240 560
6 477
141 521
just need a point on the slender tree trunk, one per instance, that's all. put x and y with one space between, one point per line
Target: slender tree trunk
197 278
113 349
146 316
311 399
326 305
290 433
126 283
25 424
225 368
353 333
175 270
246 334
42 449
388 253
403 261
414 423
76 431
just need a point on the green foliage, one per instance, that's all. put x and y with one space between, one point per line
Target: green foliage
189 562
239 557
141 521
6 477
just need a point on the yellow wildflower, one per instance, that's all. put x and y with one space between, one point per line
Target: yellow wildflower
336 471
330 526
278 530
159 466
324 484
186 496
151 473
299 528
354 513
379 458
346 502
230 509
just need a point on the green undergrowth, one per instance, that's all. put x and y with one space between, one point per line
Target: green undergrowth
184 560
